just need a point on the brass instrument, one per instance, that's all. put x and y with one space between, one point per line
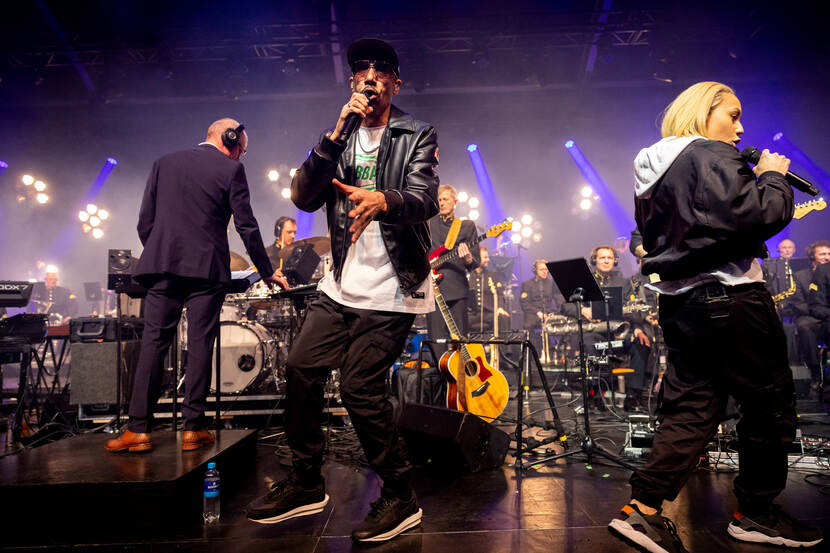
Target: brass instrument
618 328
788 272
636 306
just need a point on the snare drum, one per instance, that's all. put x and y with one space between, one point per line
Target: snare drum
245 351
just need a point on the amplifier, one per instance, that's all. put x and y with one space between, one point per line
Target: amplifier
102 329
93 378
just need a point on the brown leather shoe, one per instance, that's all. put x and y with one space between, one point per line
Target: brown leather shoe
131 441
194 439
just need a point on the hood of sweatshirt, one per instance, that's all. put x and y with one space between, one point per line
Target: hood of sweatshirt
652 162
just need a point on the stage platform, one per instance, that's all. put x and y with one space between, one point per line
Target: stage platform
75 480
561 507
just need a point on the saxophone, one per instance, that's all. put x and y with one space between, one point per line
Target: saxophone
788 273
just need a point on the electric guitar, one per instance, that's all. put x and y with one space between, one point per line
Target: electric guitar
472 384
803 209
441 255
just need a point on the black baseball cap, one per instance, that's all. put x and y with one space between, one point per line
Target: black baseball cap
373 49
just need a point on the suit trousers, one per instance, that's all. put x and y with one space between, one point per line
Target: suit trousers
722 341
363 344
162 311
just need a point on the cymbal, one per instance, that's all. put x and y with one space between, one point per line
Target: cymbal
321 245
238 262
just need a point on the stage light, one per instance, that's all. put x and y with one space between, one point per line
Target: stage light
83 216
473 202
463 196
28 180
51 269
112 161
103 214
527 232
472 147
92 209
292 172
777 136
515 237
286 193
4 165
569 144
97 233
86 227
21 199
586 192
585 204
527 219
473 215
273 175
40 186
42 198
94 221
517 225
537 237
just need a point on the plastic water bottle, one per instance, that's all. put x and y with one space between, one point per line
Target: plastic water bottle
210 501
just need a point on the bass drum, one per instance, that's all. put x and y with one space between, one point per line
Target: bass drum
245 351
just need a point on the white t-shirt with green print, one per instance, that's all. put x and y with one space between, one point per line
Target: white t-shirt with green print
368 279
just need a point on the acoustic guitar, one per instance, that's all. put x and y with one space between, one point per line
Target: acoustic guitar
472 384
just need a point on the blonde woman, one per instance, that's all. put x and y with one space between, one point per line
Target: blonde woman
704 215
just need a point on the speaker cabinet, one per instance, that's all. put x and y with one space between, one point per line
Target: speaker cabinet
451 438
93 377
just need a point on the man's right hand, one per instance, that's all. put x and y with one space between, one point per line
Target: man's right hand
771 162
358 104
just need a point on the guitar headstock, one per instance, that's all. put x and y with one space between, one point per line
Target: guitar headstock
496 230
803 209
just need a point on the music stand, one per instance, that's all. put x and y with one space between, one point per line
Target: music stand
578 285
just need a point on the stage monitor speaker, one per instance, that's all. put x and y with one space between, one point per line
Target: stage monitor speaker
440 436
93 372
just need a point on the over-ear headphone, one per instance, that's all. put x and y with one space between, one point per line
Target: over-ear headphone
231 136
278 224
598 248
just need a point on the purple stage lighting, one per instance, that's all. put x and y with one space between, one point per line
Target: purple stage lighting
621 219
821 178
112 161
492 205
4 165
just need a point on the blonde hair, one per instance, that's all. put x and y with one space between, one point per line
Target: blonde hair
688 113
449 188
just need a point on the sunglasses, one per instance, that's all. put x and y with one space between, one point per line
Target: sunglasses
382 68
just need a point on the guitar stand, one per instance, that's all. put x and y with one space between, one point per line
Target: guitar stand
524 361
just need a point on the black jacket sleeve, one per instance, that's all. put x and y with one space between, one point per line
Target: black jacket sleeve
311 186
147 212
417 201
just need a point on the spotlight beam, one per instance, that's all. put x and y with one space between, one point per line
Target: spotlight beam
621 219
490 200
822 179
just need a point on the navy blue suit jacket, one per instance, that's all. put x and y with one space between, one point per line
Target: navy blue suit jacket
183 221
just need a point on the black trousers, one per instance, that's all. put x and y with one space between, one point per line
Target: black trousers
162 311
363 344
722 341
437 328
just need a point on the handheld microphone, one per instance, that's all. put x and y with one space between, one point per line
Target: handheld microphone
752 155
354 119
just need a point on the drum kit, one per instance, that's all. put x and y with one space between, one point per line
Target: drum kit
257 327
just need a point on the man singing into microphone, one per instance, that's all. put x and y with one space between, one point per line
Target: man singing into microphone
379 188
704 215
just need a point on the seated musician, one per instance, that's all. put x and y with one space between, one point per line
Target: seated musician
636 342
481 301
539 298
818 298
56 301
454 286
797 306
285 232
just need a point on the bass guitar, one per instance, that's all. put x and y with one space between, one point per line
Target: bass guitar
441 255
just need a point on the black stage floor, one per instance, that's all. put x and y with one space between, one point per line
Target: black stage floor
559 508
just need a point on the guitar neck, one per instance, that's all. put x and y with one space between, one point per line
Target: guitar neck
450 322
453 253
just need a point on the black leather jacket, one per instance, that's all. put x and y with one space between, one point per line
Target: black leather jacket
407 176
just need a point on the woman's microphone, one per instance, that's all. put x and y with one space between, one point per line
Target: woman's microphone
752 155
